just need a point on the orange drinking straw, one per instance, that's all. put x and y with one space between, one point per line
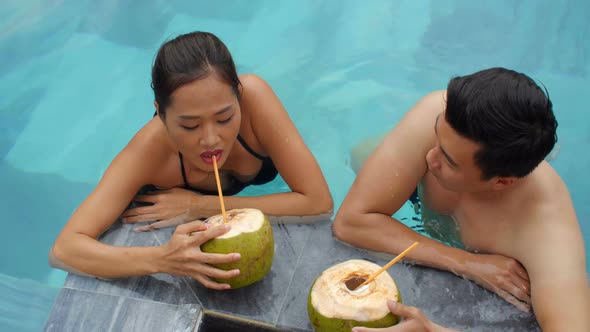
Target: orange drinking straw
219 188
388 265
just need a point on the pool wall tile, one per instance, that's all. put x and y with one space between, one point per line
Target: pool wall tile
76 310
302 252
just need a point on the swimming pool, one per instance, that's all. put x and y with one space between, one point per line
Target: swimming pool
75 77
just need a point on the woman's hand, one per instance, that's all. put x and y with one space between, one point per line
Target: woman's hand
168 207
502 275
413 320
182 255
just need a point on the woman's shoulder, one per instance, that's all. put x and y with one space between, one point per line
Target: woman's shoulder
251 80
151 142
255 88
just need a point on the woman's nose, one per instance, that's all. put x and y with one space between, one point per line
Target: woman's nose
210 138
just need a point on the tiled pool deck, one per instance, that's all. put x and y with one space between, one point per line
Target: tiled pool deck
163 302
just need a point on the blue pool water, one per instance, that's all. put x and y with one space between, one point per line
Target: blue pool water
75 74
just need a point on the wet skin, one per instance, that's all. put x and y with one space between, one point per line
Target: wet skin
522 234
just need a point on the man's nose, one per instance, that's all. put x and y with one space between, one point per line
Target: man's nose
433 157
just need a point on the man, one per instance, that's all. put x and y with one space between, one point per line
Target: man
477 150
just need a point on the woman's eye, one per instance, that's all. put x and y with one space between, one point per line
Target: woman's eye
190 127
226 120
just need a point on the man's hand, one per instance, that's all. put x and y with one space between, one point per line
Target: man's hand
413 320
168 207
502 275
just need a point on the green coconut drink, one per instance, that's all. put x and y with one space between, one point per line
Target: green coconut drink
336 303
251 236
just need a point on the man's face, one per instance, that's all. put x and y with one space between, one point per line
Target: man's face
452 162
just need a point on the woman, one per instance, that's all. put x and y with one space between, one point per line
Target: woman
204 111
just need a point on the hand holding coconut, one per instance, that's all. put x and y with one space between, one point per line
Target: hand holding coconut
413 320
251 236
354 293
182 255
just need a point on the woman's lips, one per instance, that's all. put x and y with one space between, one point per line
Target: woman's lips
208 156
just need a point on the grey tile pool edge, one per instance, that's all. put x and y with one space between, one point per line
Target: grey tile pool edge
79 310
290 314
279 322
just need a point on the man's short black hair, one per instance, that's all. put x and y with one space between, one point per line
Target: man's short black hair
508 114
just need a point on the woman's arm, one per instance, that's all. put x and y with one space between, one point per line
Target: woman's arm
276 136
77 249
296 164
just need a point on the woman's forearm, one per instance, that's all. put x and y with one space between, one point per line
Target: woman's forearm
79 253
284 207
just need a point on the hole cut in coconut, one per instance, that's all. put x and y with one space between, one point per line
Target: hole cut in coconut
218 219
354 281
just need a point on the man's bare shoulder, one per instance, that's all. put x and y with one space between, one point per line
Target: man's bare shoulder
414 134
550 229
416 126
395 164
551 248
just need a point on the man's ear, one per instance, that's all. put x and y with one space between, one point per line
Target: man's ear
157 108
500 183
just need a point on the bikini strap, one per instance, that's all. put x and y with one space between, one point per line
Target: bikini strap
249 149
182 171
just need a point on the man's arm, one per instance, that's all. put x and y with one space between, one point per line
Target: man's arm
386 181
554 257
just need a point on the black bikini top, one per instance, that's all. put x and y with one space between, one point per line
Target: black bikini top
267 173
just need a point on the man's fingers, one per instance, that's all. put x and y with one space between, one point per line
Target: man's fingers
403 310
367 329
522 284
398 309
401 327
514 301
521 272
519 292
518 286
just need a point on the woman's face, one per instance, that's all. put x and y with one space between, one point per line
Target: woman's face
203 120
